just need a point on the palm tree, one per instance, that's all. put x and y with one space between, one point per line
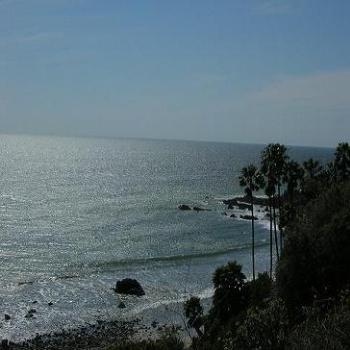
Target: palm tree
312 168
342 160
293 176
252 180
273 163
270 192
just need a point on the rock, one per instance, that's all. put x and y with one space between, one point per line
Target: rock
243 206
50 303
184 207
245 199
232 216
121 305
248 217
224 213
35 302
231 205
4 344
129 286
7 317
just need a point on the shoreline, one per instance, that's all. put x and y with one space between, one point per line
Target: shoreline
148 324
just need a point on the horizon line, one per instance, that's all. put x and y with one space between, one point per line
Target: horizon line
145 138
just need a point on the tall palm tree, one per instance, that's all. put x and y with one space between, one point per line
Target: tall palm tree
342 160
270 192
312 168
293 176
273 164
252 180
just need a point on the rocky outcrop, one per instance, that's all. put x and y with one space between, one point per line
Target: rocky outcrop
246 200
200 209
184 207
129 286
248 217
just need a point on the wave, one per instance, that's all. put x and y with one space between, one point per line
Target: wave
173 258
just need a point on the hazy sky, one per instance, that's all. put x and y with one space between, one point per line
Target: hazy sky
222 70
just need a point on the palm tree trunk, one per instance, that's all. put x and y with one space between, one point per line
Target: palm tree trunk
279 216
275 228
271 239
253 238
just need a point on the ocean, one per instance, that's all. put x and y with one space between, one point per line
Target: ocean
78 214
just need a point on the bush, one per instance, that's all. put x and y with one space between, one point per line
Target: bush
315 261
167 342
264 328
194 314
321 332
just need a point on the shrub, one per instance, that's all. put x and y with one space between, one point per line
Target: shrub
262 328
315 261
321 332
166 342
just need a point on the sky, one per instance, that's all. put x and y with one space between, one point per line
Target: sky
254 71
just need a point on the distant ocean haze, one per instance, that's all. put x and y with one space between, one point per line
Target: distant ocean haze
77 214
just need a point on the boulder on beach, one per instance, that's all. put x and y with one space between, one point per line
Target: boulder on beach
129 286
184 207
232 216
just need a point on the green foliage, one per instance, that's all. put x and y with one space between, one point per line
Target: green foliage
167 342
273 160
342 160
315 261
230 294
262 328
321 331
251 178
312 168
194 314
259 291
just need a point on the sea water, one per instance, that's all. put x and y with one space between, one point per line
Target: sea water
78 214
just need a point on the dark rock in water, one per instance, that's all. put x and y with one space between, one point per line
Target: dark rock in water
121 305
7 317
35 302
50 303
231 205
248 217
4 344
200 209
243 206
224 213
232 216
245 199
129 286
184 207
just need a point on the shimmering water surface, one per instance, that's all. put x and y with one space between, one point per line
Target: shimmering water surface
78 214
